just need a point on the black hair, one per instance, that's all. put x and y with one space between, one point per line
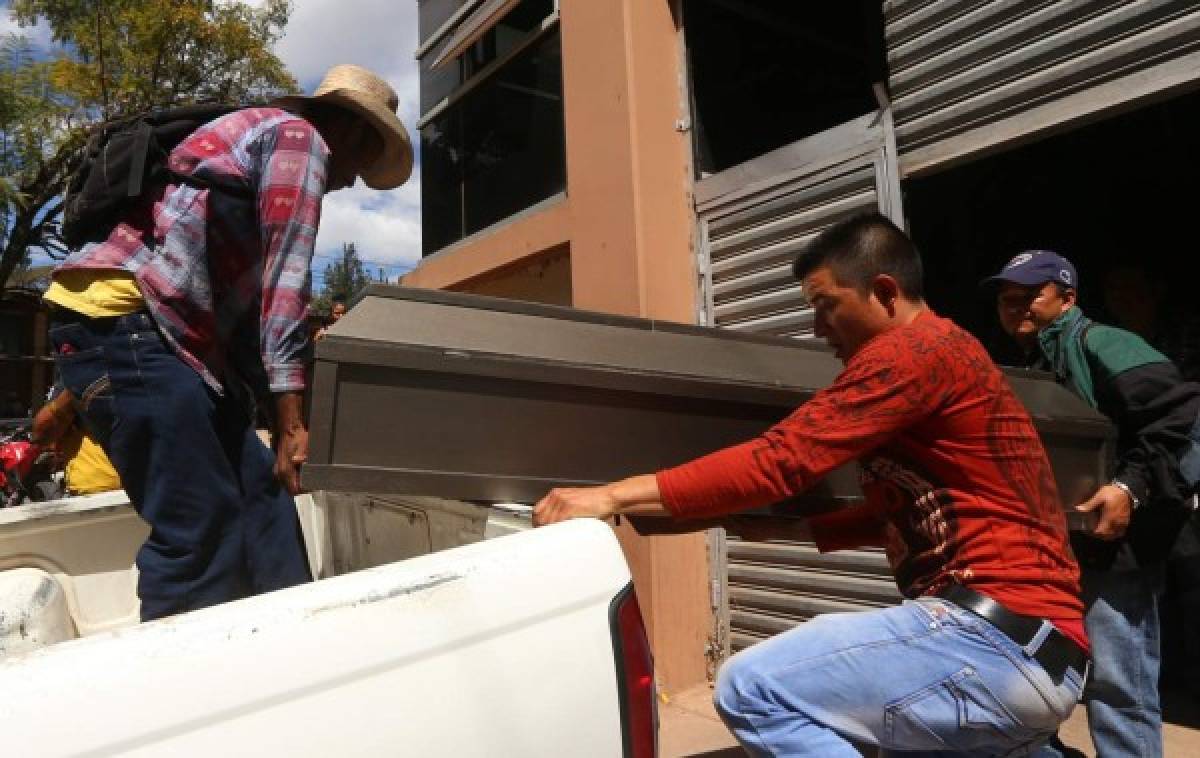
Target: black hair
338 299
862 247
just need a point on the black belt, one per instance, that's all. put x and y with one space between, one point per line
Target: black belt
1057 652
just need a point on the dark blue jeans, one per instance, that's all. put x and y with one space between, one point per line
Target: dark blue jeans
1121 617
222 527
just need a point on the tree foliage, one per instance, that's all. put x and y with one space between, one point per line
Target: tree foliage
38 134
343 280
117 57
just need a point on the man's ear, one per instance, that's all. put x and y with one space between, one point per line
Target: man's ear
886 290
1069 297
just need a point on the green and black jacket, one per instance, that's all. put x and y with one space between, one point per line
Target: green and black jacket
1142 392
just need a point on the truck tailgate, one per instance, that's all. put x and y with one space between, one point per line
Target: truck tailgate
498 648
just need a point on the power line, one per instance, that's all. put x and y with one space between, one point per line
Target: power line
384 264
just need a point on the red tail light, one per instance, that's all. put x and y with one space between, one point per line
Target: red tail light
635 676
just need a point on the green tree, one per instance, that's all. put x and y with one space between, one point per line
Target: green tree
117 57
343 279
38 134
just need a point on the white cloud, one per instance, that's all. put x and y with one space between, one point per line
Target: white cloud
39 35
385 227
380 35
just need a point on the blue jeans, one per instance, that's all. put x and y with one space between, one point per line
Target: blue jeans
1122 622
194 468
925 676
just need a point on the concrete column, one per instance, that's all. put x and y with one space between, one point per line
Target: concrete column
629 180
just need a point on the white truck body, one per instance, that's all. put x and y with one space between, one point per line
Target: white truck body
501 647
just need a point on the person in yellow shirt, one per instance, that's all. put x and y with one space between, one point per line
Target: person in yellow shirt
87 469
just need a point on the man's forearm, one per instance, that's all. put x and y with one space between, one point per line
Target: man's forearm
637 494
289 412
53 420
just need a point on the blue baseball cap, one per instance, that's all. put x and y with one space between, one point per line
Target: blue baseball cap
1034 267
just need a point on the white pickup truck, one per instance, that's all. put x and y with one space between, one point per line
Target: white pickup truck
530 643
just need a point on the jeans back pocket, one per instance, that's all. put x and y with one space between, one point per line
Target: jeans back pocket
959 713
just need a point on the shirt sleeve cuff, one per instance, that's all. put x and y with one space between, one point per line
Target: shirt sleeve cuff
668 494
1134 486
287 378
678 488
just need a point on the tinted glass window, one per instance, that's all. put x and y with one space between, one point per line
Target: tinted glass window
505 35
437 84
496 151
499 40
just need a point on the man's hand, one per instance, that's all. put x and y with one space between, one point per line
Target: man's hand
1116 510
291 440
586 502
637 493
53 419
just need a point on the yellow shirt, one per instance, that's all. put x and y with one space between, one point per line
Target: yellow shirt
96 292
88 469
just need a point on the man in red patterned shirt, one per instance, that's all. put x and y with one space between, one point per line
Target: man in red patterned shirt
988 655
195 294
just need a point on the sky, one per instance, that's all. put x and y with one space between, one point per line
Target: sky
381 35
385 226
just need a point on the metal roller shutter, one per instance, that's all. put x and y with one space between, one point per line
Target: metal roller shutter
752 232
967 75
775 585
754 218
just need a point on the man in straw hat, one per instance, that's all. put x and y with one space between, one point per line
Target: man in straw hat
198 295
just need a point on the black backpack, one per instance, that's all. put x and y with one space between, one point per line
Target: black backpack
121 159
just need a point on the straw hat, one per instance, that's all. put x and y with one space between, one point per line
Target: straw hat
358 90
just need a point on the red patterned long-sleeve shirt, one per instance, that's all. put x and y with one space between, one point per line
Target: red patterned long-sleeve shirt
226 273
957 482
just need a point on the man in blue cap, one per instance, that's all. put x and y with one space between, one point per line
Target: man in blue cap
1137 515
1028 294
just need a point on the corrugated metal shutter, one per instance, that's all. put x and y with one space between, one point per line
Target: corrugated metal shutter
753 219
771 209
971 74
772 586
752 249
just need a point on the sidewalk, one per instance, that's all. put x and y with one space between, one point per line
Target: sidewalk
689 727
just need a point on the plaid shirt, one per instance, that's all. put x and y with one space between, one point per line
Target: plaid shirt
226 279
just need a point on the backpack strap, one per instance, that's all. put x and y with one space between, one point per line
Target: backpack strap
141 148
234 190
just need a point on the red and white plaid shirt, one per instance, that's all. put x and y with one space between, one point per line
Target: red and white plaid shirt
226 277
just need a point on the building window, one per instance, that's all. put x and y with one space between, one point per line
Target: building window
492 139
766 74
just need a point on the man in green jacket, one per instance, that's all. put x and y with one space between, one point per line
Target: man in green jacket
1138 514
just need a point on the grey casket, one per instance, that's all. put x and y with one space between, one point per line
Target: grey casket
425 392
